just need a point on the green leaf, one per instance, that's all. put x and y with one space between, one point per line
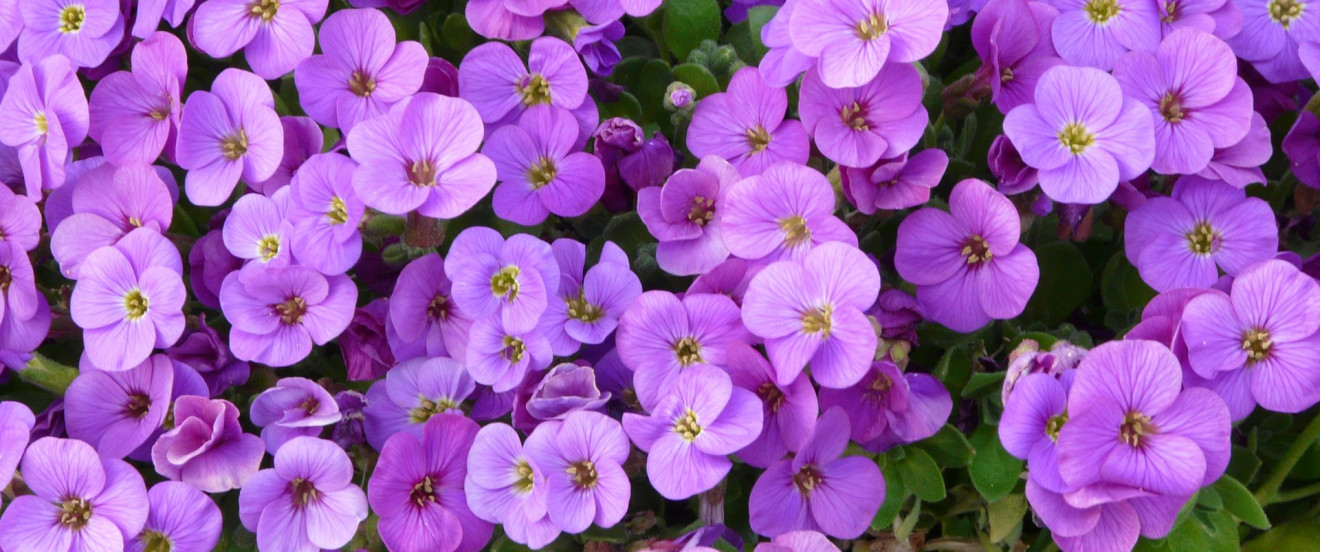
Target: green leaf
651 85
688 22
1294 536
1204 532
458 34
1065 283
949 447
895 494
994 471
698 77
1244 464
1239 502
1005 516
982 384
920 473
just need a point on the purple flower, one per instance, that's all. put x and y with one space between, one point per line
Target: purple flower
1239 164
1183 241
540 170
207 448
209 262
150 13
888 407
1271 33
857 126
686 215
308 502
729 278
117 411
1197 104
361 72
782 214
1029 428
798 541
325 213
277 313
258 229
499 357
302 140
783 61
1265 330
1027 359
1095 33
787 411
422 311
78 502
441 77
417 489
108 203
855 38
203 350
367 355
227 133
422 156
42 116
819 489
589 305
497 83
596 45
85 32
746 126
349 432
1082 134
1012 175
179 517
1013 40
20 221
1220 16
565 389
661 335
16 421
134 115
276 34
18 291
582 458
895 183
504 484
493 19
20 336
492 276
295 407
411 394
1302 146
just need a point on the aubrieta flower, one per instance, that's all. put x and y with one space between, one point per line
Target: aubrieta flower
746 126
798 541
134 115
540 170
361 72
1082 135
897 183
417 489
857 126
499 357
1302 146
782 214
411 393
1012 38
275 34
365 345
565 389
179 517
1222 17
596 45
661 335
325 213
422 309
258 229
207 448
79 501
294 407
43 115
1183 241
117 411
302 140
1095 33
1198 104
85 31
16 422
1267 328
422 156
129 300
729 278
108 204
20 221
228 133
497 83
582 458
1029 358
888 407
1239 164
854 39
20 336
307 502
149 14
590 302
787 411
1271 33
783 62
819 489
968 264
510 278
504 485
278 313
691 432
202 350
494 19
1029 428
209 262
686 216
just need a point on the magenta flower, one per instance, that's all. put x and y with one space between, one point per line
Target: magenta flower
1265 330
407 164
1082 134
422 310
583 458
787 411
111 203
20 221
417 489
1271 33
276 34
855 38
228 133
888 407
1183 241
492 276
411 393
494 19
1095 33
302 140
540 170
150 13
207 448
691 432
294 407
563 390
179 517
505 486
497 83
857 126
590 303
500 357
1197 105
895 183
325 213
782 214
819 489
43 115
117 411
746 126
78 502
798 541
361 71
277 313
1029 428
687 216
134 115
661 335
1013 41
258 229
16 422
783 62
307 503
85 31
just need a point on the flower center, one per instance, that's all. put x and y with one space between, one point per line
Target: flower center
879 387
976 250
155 541
304 492
338 211
6 278
1135 425
1101 11
1257 344
265 9
807 479
135 222
422 173
292 310
1284 12
1075 137
135 304
75 513
1171 108
1055 424
505 283
234 146
361 84
688 351
1006 75
581 309
758 139
423 492
514 349
1203 239
583 473
687 426
795 230
1170 11
268 247
71 18
438 308
138 405
40 121
872 27
703 210
310 406
427 408
818 320
535 90
526 477
542 173
854 115
771 396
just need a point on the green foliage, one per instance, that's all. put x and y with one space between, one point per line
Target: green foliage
688 22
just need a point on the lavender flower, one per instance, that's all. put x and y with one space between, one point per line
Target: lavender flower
497 83
277 313
888 407
307 502
302 140
565 389
500 357
411 394
493 276
746 126
855 38
504 485
1095 33
42 115
179 517
325 214
108 204
895 183
539 171
135 115
787 411
117 411
275 34
1013 40
16 422
858 125
1271 34
258 229
20 221
85 32
228 133
295 407
207 448
582 458
1029 428
422 310
1239 164
150 13
782 214
590 303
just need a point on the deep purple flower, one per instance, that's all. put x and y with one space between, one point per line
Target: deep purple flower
441 77
276 34
209 262
422 310
134 115
307 503
402 7
878 118
325 214
179 517
500 357
202 349
43 115
746 126
277 313
108 203
497 83
302 140
787 411
1012 174
596 45
350 431
540 170
565 389
117 411
1271 33
207 448
888 407
367 355
511 278
1239 164
505 485
895 183
782 214
589 302
1012 37
583 458
228 133
411 394
295 407
85 32
1302 146
855 38
898 313
1095 33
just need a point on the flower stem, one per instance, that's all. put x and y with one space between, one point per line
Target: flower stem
1268 493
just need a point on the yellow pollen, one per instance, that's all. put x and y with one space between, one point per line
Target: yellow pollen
505 283
854 115
155 541
1135 425
423 492
422 173
1257 344
1171 108
1284 12
1006 75
234 146
268 247
75 513
265 9
427 408
703 210
438 308
976 250
40 121
535 90
71 18
581 309
6 278
292 310
542 173
807 479
514 349
361 84
1203 239
1170 9
687 426
758 139
872 27
304 492
771 395
688 352
1101 11
135 304
139 404
584 474
795 230
1055 424
526 477
135 222
1075 137
338 211
818 320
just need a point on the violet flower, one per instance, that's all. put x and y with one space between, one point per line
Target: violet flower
858 125
746 126
422 309
506 486
116 412
179 517
590 302
366 352
207 448
539 169
855 39
229 133
888 407
509 278
135 115
278 313
43 115
897 183
275 34
583 458
307 502
325 214
788 411
411 394
498 84
85 32
108 203
782 214
294 407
